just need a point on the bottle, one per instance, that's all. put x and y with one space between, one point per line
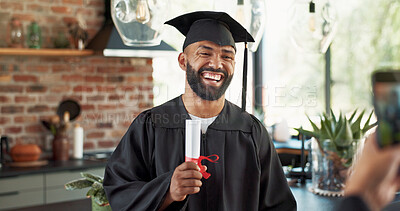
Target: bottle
78 142
34 36
16 34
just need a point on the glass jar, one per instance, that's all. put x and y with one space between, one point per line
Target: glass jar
34 36
16 34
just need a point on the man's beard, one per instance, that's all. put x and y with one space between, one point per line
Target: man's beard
204 91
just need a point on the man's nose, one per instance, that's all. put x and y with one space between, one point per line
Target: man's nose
216 62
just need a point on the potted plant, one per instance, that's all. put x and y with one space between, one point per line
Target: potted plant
333 147
96 191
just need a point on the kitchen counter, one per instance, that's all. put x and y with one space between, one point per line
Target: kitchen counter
52 166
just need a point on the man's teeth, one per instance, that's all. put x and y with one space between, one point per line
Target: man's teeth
216 77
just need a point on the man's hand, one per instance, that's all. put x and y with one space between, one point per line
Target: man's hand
375 177
185 180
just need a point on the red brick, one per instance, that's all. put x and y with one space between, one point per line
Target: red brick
38 109
60 68
37 128
37 8
61 9
96 98
115 78
96 3
95 135
4 120
13 130
12 109
135 79
60 89
38 68
36 89
149 62
25 99
127 88
87 107
85 69
104 125
73 78
81 88
106 144
146 88
98 79
88 145
75 2
73 97
116 97
4 99
25 119
106 107
69 20
50 98
5 78
126 69
106 88
144 69
145 105
11 88
11 5
24 17
25 78
106 70
149 78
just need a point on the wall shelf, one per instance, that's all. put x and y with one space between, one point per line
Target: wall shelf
44 52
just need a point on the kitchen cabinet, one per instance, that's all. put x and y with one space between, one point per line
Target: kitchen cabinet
25 187
21 191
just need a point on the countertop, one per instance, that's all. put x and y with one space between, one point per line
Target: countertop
52 166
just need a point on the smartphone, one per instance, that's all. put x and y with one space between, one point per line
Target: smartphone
386 90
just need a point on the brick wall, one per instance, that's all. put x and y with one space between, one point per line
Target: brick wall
111 91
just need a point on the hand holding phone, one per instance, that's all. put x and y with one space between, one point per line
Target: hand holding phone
386 88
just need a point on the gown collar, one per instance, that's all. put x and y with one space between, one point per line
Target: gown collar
173 114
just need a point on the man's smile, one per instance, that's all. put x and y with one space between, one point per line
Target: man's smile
212 78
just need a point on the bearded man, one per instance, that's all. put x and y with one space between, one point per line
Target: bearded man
147 171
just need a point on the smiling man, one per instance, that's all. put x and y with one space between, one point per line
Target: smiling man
147 170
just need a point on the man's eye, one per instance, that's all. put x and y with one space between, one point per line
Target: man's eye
228 57
204 54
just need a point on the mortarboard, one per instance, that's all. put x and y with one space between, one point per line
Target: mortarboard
217 27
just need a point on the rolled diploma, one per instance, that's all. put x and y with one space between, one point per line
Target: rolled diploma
192 139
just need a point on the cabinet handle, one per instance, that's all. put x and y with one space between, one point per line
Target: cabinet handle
9 193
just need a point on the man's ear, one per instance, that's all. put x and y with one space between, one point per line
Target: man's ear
182 61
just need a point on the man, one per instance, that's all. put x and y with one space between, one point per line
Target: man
147 170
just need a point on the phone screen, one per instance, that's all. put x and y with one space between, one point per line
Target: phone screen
386 87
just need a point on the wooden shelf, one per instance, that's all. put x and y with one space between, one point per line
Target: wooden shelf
44 52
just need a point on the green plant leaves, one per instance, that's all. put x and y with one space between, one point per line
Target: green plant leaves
92 177
78 184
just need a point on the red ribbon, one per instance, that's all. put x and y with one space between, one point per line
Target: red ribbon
205 174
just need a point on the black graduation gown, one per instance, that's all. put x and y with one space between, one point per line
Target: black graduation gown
248 175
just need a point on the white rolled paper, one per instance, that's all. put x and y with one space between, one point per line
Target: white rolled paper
192 139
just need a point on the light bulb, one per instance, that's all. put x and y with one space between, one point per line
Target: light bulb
311 21
142 12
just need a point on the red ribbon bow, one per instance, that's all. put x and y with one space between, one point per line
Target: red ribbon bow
205 174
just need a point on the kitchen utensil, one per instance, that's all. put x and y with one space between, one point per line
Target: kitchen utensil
71 106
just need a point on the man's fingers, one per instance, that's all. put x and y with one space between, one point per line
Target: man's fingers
188 166
189 174
191 183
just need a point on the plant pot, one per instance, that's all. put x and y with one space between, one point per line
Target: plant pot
97 207
330 164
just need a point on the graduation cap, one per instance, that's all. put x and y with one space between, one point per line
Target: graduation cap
217 27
